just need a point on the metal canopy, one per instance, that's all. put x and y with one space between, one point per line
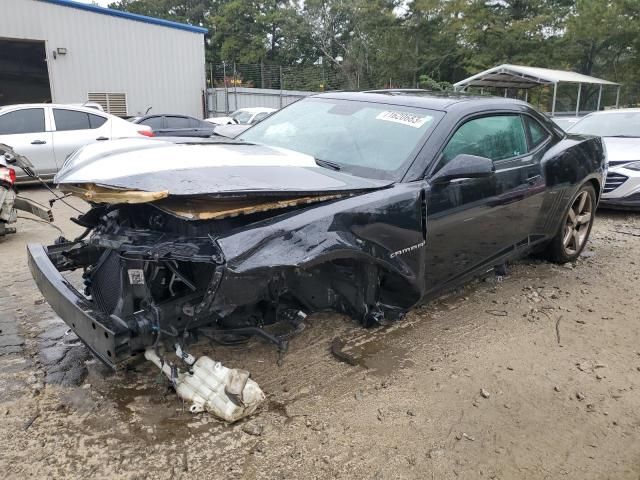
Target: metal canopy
518 76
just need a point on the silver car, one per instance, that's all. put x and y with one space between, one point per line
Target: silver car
47 133
620 130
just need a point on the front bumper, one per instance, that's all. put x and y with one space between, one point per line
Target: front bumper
106 336
622 189
631 202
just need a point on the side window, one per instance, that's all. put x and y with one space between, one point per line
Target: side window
70 120
260 116
96 121
29 120
497 137
154 122
178 122
537 132
241 117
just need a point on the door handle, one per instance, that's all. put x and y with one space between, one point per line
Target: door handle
102 138
533 179
38 142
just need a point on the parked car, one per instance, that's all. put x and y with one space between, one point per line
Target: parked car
565 122
620 130
169 125
230 131
48 133
243 116
361 203
94 105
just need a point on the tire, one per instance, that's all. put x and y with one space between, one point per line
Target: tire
574 228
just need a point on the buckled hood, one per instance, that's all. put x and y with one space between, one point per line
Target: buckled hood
221 167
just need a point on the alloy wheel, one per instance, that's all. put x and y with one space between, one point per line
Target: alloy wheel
577 223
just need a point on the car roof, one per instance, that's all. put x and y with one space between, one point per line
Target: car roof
422 98
616 110
256 109
54 105
167 115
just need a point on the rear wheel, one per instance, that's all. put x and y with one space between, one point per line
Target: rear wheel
575 227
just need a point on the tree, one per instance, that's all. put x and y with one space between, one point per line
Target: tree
375 43
603 40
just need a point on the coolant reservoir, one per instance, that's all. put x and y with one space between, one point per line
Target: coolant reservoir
226 393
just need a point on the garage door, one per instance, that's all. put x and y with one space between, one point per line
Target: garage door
24 77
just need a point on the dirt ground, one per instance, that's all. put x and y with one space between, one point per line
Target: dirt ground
536 376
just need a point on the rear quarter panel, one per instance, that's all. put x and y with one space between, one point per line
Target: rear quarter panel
566 166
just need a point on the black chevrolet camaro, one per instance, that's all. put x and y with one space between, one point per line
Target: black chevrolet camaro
361 203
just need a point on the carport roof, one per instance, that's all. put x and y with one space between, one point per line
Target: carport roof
130 16
518 76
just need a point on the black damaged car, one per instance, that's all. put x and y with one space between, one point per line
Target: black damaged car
362 203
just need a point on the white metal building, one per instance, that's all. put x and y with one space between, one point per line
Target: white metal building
69 52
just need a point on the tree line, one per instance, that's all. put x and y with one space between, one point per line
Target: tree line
426 43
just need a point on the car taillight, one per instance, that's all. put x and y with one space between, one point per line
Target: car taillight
146 133
7 175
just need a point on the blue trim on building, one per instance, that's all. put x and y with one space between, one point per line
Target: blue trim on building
129 16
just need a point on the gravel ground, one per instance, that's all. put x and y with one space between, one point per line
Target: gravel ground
536 376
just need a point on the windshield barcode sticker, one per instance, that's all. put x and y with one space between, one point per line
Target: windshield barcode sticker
408 119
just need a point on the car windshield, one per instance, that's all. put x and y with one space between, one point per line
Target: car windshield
366 139
618 124
241 117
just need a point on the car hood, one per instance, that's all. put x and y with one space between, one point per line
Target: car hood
230 131
213 168
219 120
622 150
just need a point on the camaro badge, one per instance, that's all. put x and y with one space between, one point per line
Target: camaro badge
408 249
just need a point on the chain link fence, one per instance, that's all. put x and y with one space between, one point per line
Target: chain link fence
315 78
238 85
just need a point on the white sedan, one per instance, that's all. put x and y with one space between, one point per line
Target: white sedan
243 116
47 133
620 130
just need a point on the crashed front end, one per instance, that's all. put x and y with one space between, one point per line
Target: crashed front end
159 265
147 275
138 283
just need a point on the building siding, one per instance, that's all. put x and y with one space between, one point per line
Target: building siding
156 66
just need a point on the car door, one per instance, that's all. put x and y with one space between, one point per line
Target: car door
474 222
156 123
179 126
202 128
76 128
26 131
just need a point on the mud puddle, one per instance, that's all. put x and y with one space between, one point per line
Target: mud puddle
381 351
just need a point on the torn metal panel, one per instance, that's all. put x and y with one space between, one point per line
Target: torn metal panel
99 194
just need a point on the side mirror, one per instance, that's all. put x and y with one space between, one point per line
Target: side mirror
464 166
